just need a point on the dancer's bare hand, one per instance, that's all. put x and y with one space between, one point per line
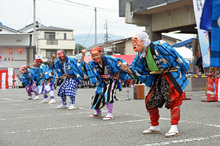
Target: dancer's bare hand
124 66
53 56
83 51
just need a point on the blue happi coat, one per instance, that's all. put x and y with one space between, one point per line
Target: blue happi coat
91 70
70 67
42 73
28 77
160 51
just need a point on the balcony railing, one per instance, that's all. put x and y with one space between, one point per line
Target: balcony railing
52 42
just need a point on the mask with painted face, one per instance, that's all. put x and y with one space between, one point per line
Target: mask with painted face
22 69
140 41
61 55
96 54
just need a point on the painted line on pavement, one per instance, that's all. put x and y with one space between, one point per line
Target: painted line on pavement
183 140
68 127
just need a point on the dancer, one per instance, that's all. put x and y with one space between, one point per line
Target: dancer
45 80
28 80
159 66
68 69
105 71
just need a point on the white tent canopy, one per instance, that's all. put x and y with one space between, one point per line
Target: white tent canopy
185 52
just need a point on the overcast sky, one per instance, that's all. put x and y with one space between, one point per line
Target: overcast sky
67 14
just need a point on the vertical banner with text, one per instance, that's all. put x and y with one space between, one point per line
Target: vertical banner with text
202 34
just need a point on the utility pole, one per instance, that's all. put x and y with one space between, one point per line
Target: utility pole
106 34
77 48
34 25
95 26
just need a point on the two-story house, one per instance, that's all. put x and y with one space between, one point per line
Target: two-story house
51 39
15 51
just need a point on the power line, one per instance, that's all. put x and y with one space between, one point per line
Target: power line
84 6
68 4
89 5
110 21
89 32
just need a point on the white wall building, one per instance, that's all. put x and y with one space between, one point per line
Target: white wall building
51 39
15 49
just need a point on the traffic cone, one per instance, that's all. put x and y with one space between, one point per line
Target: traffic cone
184 96
210 91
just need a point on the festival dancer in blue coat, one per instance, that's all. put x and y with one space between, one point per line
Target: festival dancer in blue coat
105 71
160 67
68 69
45 80
28 78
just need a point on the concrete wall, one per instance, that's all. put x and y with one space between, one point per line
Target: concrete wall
14 39
62 44
15 59
174 18
59 35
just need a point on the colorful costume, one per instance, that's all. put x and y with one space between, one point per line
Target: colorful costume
28 80
106 84
43 73
166 87
69 86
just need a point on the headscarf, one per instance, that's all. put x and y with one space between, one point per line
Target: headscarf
144 38
99 49
23 67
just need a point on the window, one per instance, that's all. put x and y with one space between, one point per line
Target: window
64 36
49 35
49 53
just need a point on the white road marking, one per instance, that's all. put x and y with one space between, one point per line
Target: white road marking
183 140
10 100
77 126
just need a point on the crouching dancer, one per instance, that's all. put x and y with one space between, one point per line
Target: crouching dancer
67 68
106 72
159 66
45 80
28 80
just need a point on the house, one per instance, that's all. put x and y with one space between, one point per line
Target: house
15 48
15 51
50 39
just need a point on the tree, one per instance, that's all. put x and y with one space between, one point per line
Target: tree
80 48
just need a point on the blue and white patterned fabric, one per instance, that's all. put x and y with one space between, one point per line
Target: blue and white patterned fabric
215 34
94 73
28 77
38 78
68 87
162 51
41 73
69 67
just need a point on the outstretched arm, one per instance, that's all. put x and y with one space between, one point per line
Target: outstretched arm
52 62
18 77
124 67
29 67
83 55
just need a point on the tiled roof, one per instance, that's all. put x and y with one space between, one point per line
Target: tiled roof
8 28
141 5
54 28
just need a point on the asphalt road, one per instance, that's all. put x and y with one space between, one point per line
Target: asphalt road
31 123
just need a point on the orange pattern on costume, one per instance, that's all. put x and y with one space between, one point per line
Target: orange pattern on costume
176 101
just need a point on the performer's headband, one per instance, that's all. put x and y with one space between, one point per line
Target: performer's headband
99 49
